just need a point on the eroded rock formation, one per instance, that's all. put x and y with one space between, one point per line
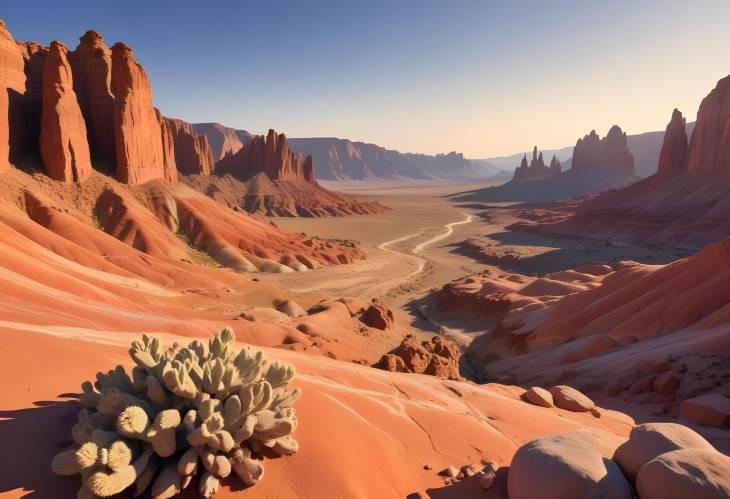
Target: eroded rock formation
610 153
673 156
437 357
192 152
12 85
138 133
709 150
537 169
63 145
91 63
270 155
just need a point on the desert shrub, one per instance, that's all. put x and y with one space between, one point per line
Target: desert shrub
198 409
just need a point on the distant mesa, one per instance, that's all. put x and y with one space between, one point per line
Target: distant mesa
610 153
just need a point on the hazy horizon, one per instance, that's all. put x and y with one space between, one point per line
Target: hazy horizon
484 79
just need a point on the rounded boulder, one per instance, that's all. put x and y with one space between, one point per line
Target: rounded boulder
685 473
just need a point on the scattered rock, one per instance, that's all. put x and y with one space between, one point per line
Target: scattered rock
684 474
712 409
486 476
649 440
538 396
449 471
570 399
667 383
427 467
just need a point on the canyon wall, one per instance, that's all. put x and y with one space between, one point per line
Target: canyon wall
71 109
192 151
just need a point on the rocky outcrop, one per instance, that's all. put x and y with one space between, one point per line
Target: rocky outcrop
223 139
709 149
673 156
91 63
437 357
12 86
378 316
308 169
610 153
711 409
537 169
63 145
27 112
192 152
138 135
270 155
168 148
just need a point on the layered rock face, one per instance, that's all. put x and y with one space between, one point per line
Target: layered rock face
138 133
609 153
537 169
673 156
192 152
223 139
12 84
91 63
270 155
168 148
63 145
709 150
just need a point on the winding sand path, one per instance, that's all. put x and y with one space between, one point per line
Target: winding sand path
416 250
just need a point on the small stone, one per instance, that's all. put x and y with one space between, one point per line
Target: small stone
450 472
538 396
486 476
427 467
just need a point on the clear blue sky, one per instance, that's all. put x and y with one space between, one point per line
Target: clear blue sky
485 78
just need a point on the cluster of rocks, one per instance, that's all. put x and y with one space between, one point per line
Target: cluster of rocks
537 169
562 396
484 474
608 153
657 461
436 357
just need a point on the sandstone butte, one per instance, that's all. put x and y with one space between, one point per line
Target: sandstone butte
592 152
537 169
63 145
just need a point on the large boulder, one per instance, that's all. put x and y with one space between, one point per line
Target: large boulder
570 399
649 440
564 467
711 409
63 143
378 316
538 396
685 474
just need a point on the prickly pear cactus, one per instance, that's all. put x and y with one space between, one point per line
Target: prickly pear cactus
184 410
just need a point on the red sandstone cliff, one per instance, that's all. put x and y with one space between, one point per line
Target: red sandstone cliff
709 149
270 155
91 63
138 134
192 151
673 156
12 84
63 145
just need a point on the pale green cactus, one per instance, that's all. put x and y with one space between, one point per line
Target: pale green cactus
201 409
